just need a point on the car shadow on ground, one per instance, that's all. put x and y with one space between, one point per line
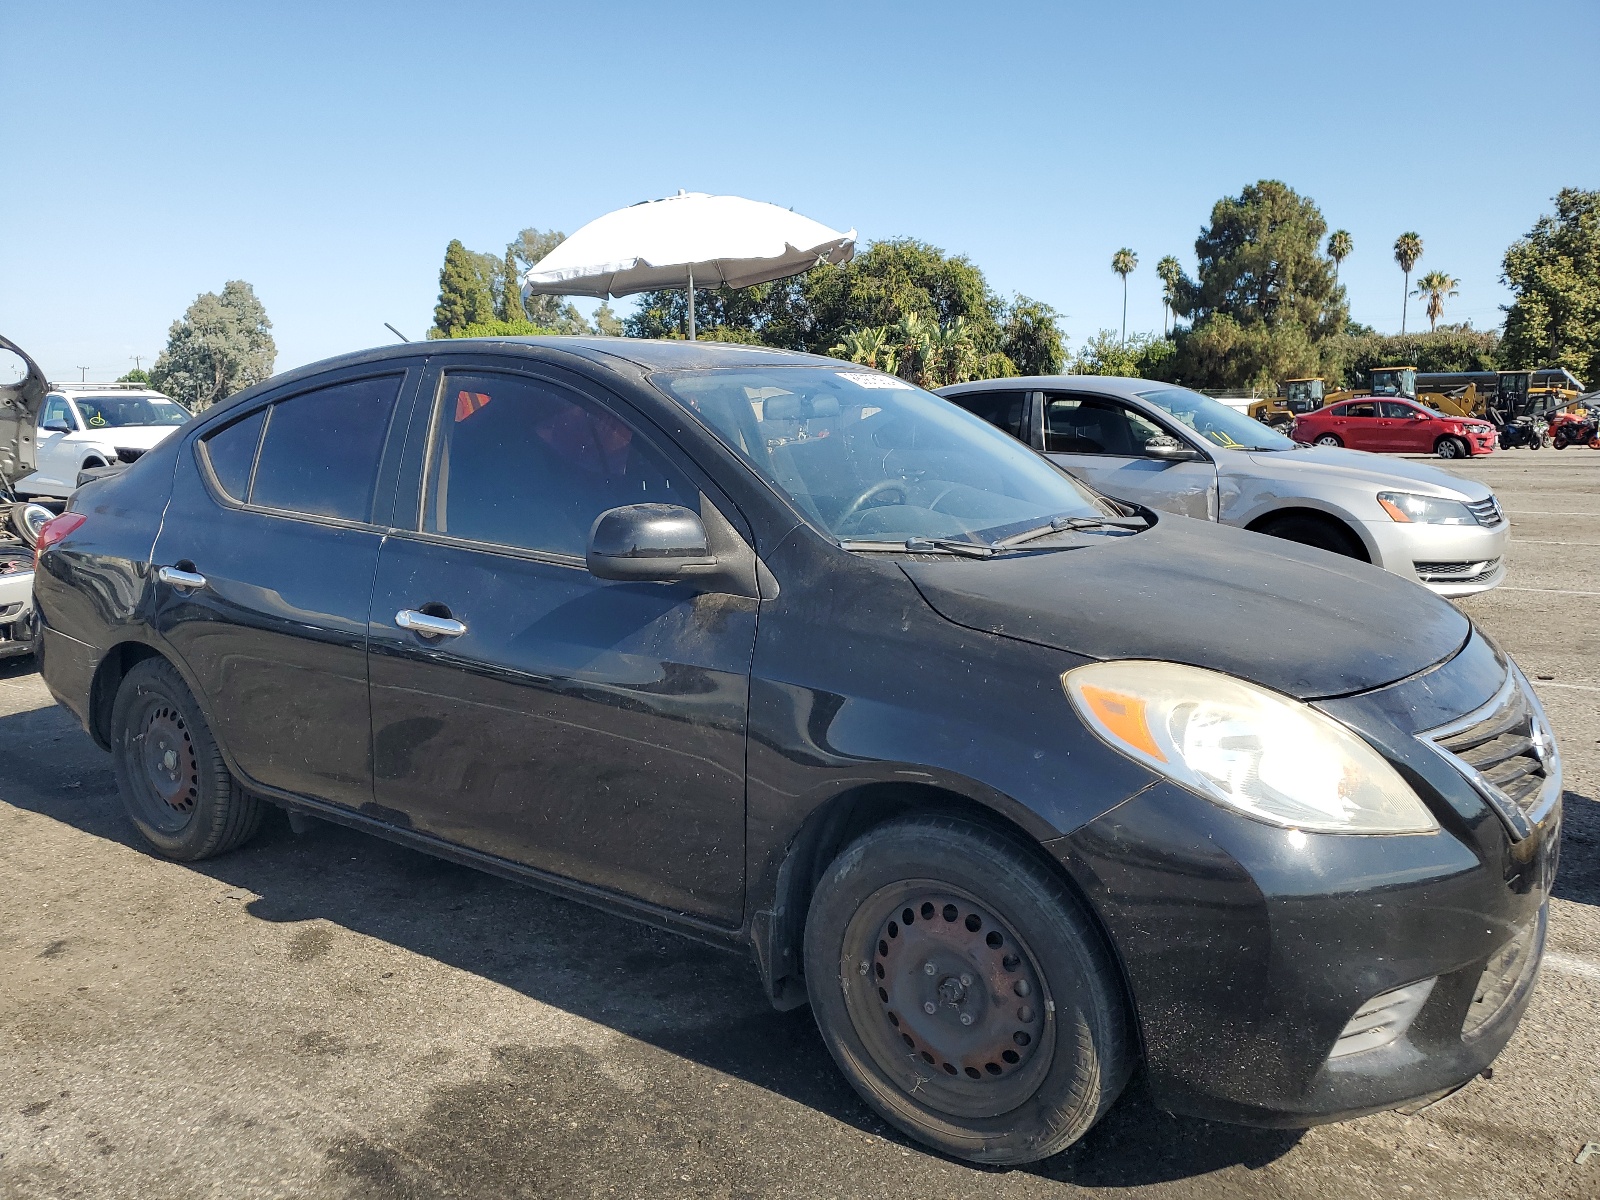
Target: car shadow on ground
684 998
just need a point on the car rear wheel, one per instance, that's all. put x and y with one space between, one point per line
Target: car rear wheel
1329 439
964 992
174 784
1451 447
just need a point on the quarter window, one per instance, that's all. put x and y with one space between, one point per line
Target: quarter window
521 463
231 451
320 453
1085 425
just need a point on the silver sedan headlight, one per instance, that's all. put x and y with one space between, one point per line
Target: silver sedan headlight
1249 749
1407 507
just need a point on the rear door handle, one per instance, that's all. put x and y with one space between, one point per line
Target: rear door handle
421 622
181 579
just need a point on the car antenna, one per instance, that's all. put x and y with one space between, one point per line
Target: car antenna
396 332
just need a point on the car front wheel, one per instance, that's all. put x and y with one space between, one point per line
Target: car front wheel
964 992
1451 447
174 783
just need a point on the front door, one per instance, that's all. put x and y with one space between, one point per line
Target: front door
1406 428
52 447
280 513
1102 442
589 728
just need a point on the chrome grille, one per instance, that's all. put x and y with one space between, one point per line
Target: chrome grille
1506 752
1486 512
1456 572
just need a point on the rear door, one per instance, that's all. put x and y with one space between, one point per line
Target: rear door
1004 409
269 547
1101 441
1358 426
589 728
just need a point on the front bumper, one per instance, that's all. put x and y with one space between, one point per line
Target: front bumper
1248 949
1451 560
16 614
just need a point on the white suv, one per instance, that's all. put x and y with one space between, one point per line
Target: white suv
92 425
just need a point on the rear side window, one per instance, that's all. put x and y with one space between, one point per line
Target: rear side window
1001 409
231 451
521 463
320 453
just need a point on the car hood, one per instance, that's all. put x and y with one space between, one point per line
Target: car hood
19 408
1369 472
1297 620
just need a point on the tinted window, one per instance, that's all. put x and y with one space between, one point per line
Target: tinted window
522 463
1399 412
1001 409
321 449
231 451
1084 425
1359 410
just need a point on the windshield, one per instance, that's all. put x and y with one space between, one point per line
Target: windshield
869 457
112 412
1216 422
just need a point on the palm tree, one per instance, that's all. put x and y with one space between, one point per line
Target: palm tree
1436 286
1339 247
1123 262
1169 272
1407 249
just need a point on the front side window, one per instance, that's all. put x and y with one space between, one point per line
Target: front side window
1090 425
521 463
119 412
1220 426
1397 412
869 457
320 452
55 416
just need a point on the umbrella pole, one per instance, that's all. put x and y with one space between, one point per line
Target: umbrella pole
690 290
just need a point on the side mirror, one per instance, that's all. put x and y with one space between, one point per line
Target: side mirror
649 543
57 426
1170 449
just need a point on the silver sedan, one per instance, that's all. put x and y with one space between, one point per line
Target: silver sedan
1175 450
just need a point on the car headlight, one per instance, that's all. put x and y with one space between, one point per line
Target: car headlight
1261 754
1426 510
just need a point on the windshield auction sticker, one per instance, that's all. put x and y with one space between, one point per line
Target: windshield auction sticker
871 379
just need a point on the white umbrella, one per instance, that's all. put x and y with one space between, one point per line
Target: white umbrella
685 240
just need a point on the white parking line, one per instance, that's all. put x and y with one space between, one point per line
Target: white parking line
1549 591
1545 512
1521 541
1571 964
1577 687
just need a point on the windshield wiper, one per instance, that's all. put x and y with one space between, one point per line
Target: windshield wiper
921 545
1066 524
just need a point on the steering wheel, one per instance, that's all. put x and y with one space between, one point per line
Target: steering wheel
877 489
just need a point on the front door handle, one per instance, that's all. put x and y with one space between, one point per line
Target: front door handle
181 579
427 626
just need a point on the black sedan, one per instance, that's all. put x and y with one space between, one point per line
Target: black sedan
1006 779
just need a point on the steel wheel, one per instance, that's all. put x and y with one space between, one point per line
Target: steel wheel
951 1003
167 780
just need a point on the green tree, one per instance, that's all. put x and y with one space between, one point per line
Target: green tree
1437 287
1123 263
137 375
1554 273
1031 342
1407 249
502 329
1349 357
1170 274
553 312
221 345
465 294
1340 245
1261 262
1107 353
511 308
606 322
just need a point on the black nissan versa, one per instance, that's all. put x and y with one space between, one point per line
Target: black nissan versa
1005 778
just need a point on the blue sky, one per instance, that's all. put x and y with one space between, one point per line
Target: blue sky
327 152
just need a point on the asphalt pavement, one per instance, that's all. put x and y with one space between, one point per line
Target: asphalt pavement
329 1015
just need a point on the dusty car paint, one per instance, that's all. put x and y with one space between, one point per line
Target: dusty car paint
875 684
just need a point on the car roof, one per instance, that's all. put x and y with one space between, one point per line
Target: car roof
1117 385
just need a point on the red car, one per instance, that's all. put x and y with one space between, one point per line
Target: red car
1394 425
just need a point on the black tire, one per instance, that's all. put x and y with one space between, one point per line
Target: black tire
1330 439
1452 447
1308 529
174 784
1048 1047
